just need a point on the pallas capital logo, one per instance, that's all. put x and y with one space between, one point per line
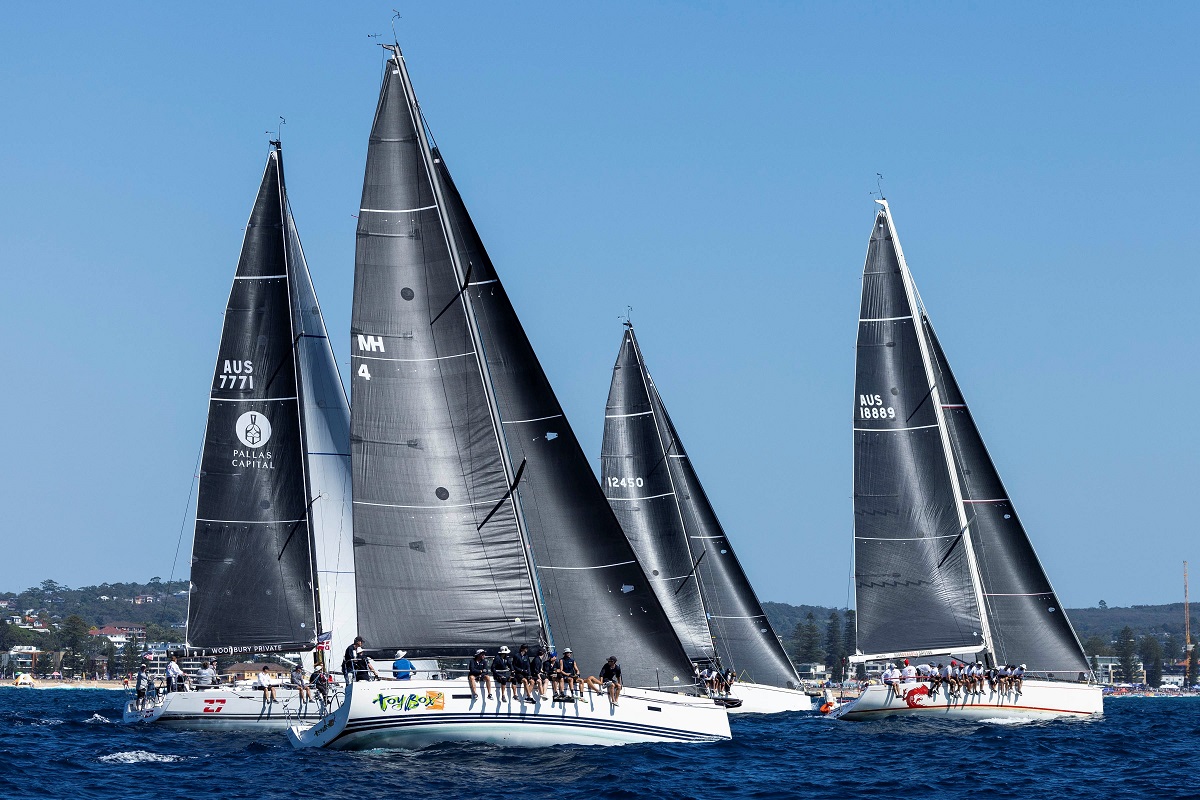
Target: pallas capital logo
253 429
430 701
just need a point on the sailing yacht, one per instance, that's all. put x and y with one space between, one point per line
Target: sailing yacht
478 522
272 557
654 490
943 567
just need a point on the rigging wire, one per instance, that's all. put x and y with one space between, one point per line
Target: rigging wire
187 505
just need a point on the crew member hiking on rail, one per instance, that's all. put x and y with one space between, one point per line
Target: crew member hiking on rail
502 673
477 673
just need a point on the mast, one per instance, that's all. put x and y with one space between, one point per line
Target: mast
463 276
288 272
1187 628
935 398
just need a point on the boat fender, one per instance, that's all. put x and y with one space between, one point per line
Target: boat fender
826 708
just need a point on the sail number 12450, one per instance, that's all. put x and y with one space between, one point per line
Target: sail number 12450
614 482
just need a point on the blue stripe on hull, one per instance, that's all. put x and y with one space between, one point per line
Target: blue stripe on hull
375 724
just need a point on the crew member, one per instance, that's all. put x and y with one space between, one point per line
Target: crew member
175 676
402 668
477 672
206 676
909 673
319 680
266 683
142 686
521 674
569 672
502 673
536 666
299 683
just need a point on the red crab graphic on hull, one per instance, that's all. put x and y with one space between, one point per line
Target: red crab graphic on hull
916 697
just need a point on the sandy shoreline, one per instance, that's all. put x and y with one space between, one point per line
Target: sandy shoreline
67 685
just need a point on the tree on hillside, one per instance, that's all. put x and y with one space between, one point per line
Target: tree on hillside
835 649
1102 605
1097 646
806 641
1127 653
850 645
73 638
1152 658
1172 649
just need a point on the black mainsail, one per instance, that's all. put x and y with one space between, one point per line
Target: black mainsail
941 562
253 570
478 521
656 494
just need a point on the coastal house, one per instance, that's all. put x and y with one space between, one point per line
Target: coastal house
1108 670
22 658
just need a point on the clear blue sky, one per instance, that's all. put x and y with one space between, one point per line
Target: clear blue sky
708 164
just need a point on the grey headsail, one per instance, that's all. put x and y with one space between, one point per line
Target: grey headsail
433 577
638 482
739 630
1028 624
252 570
597 598
325 424
913 586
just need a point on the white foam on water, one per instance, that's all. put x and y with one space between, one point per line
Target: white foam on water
96 718
139 757
1007 721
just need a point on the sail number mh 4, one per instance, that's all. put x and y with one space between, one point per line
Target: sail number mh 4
870 406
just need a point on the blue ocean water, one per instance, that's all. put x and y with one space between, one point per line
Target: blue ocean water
67 743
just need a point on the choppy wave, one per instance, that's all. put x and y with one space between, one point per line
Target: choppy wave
139 757
782 755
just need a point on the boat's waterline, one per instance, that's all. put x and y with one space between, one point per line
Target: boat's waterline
1037 700
412 714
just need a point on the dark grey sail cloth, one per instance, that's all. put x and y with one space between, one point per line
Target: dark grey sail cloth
636 478
597 598
741 634
1028 624
252 572
426 456
913 588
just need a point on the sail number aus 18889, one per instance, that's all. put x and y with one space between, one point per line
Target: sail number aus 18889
870 406
624 483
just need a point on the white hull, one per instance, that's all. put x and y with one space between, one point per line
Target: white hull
418 713
758 698
1037 700
227 709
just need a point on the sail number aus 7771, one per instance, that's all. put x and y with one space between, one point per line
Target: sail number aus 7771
237 375
624 483
870 406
